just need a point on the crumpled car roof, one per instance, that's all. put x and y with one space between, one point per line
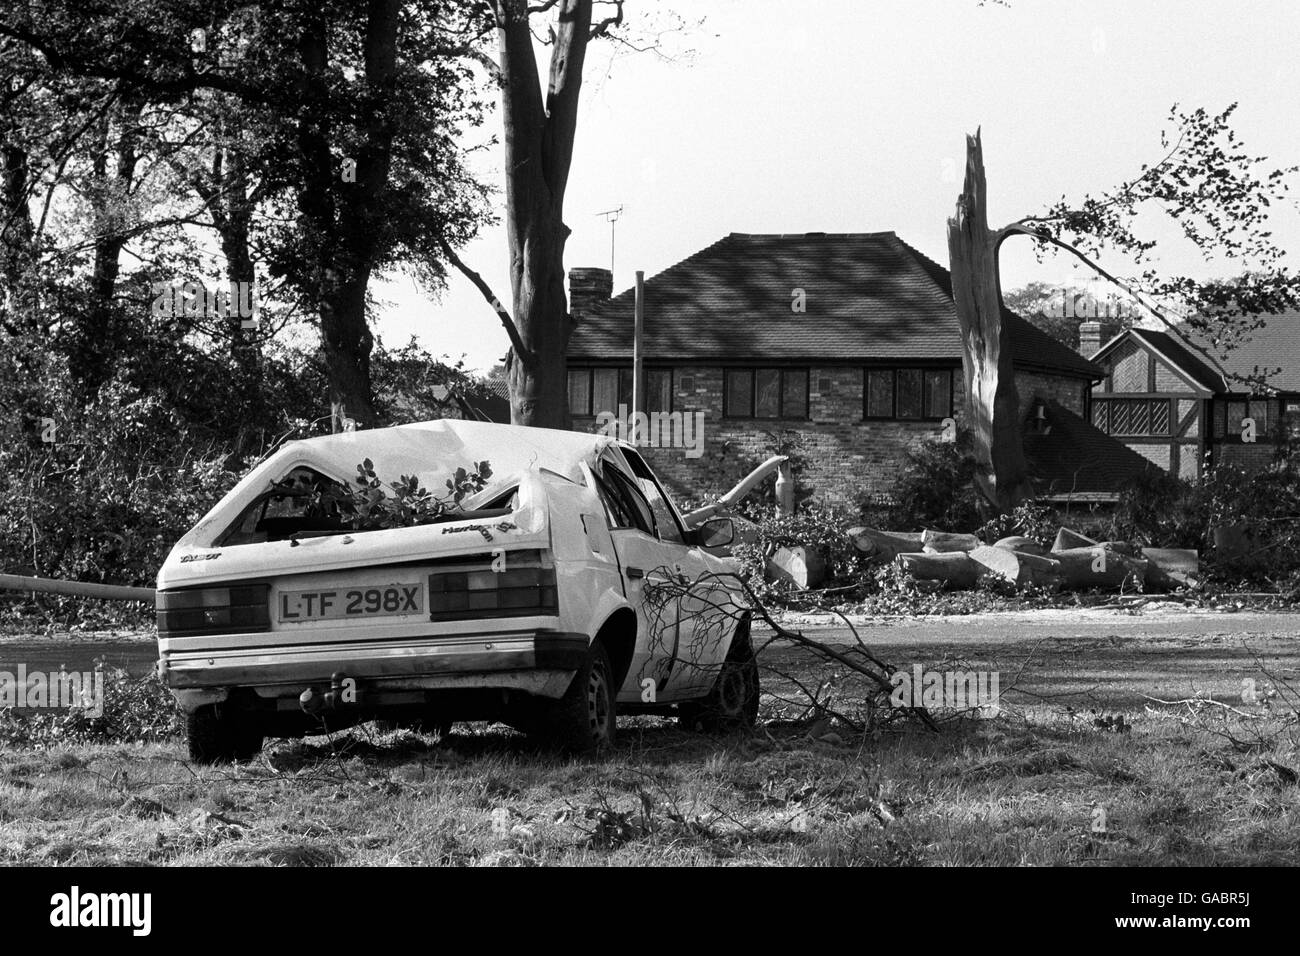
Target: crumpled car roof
433 450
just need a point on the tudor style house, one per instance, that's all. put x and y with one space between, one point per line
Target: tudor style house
850 342
1187 408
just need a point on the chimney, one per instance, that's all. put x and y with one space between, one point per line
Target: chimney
1089 338
588 287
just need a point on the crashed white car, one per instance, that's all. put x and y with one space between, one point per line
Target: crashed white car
567 590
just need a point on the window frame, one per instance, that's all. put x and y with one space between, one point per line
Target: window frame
634 459
894 371
753 371
589 411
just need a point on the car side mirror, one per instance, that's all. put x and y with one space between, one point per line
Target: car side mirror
716 533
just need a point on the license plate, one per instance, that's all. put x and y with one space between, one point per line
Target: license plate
389 600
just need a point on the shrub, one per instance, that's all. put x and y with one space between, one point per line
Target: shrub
1029 518
935 488
135 709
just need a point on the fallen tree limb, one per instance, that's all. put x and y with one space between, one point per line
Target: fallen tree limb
106 592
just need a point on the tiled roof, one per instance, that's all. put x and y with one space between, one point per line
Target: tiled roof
866 296
1191 364
1076 457
1271 351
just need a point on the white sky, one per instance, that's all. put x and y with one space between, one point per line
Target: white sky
850 115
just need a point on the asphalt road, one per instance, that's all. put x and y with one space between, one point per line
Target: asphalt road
1027 627
137 651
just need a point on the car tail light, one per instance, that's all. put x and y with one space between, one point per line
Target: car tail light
522 584
237 609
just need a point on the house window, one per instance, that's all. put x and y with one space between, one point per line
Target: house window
1229 415
1291 418
765 393
908 394
596 390
1132 416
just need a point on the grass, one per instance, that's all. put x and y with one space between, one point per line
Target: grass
1010 791
1054 780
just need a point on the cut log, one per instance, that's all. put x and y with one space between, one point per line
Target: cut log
1018 542
1172 568
1018 568
800 566
942 541
1066 539
1097 567
954 568
885 545
1123 547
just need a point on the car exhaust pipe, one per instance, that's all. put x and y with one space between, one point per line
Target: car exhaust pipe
342 693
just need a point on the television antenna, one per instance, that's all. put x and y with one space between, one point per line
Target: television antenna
611 216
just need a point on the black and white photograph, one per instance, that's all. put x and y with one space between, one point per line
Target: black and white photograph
648 434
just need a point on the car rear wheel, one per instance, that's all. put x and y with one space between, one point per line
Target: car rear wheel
220 734
732 704
583 721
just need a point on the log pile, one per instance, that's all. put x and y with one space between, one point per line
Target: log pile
1074 562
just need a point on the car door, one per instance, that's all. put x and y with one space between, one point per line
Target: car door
648 583
706 614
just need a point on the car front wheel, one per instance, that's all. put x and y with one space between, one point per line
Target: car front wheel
732 704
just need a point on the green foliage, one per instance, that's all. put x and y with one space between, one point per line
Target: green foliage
134 709
1029 519
365 505
1162 512
816 528
934 488
100 489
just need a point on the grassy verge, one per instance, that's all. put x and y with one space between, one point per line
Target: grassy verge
1045 783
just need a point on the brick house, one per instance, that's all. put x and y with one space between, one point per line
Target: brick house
849 343
1183 409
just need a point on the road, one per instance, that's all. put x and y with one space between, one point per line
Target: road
1112 658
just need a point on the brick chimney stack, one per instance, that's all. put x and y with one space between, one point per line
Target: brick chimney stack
1089 338
588 287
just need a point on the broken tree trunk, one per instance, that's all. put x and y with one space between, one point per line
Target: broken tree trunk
954 568
938 541
992 409
1172 568
884 545
1018 568
1097 567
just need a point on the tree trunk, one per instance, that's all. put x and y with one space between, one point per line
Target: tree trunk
347 343
539 137
992 405
1098 567
885 545
1018 568
99 332
342 213
16 296
955 568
